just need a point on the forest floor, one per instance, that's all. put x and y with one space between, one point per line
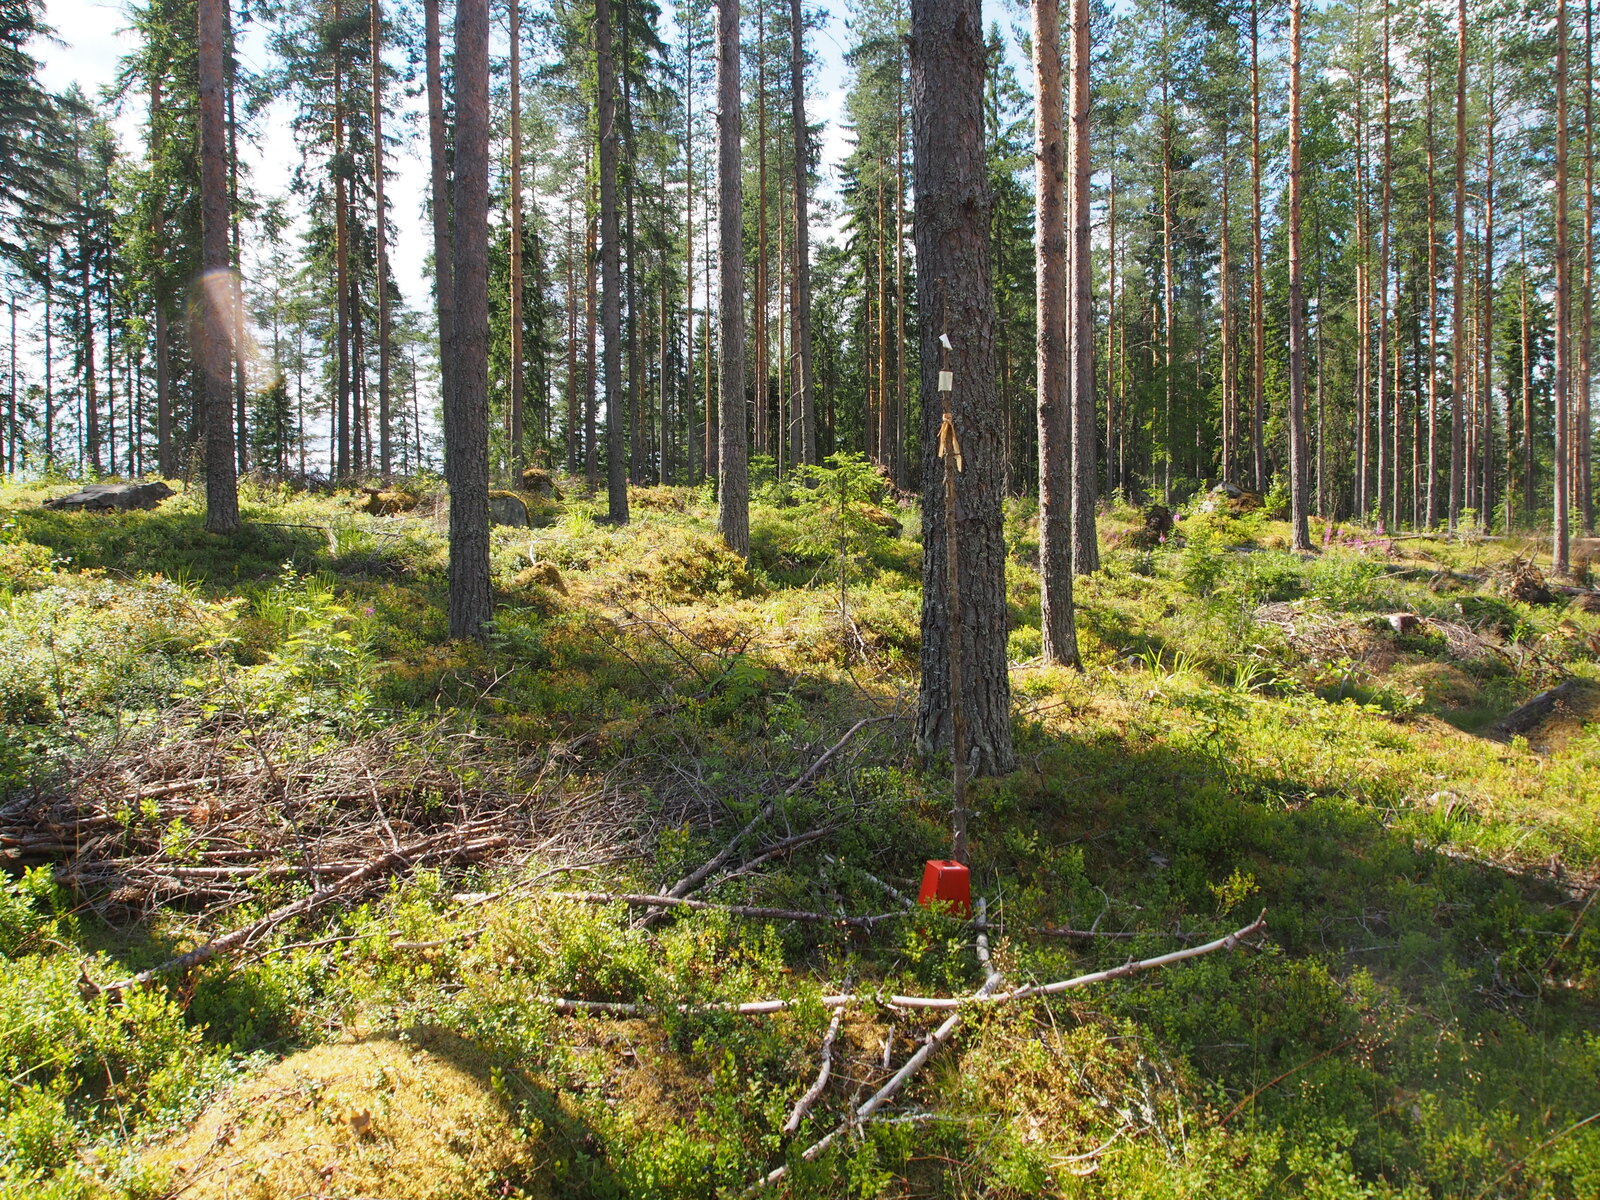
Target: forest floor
204 737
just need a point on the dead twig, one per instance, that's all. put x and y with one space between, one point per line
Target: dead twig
693 880
803 1105
438 846
753 912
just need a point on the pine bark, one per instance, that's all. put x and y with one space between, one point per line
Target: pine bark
1458 309
611 273
733 483
439 163
515 416
222 493
1298 475
1059 638
1258 316
954 293
1385 418
380 218
805 421
1080 337
1559 556
466 420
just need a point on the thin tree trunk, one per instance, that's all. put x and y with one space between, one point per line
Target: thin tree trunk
955 297
573 427
805 440
1168 291
1059 638
688 241
1258 315
515 416
763 442
385 447
1080 337
1584 447
1559 559
341 253
1298 475
897 451
1113 477
1486 503
466 424
222 493
611 273
1225 298
733 483
1432 517
1458 311
1385 418
444 271
236 309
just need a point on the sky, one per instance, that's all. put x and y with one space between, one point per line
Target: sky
92 35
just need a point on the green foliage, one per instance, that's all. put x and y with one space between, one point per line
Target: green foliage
1345 580
1209 764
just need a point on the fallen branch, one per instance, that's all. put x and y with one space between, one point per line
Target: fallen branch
1276 1080
912 1065
1086 935
693 880
803 1105
564 1004
347 884
639 900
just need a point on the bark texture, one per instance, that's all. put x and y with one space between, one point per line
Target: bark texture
1059 641
954 293
466 423
1080 337
222 491
611 273
733 478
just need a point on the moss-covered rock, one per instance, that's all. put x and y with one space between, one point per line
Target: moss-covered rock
409 1117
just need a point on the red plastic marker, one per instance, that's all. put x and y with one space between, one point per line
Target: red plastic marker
948 883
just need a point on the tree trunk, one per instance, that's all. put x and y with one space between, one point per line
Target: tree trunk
763 444
385 449
1432 517
514 418
222 492
1080 337
1584 448
439 162
611 273
954 293
1486 504
1385 418
897 454
466 421
341 253
688 239
1559 560
1298 481
805 435
1113 477
1258 315
573 426
733 482
1059 638
1458 310
235 278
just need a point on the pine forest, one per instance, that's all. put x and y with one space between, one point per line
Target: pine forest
892 598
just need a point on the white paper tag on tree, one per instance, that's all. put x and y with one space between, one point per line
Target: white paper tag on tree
947 381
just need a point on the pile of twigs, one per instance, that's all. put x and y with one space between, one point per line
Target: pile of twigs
208 816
